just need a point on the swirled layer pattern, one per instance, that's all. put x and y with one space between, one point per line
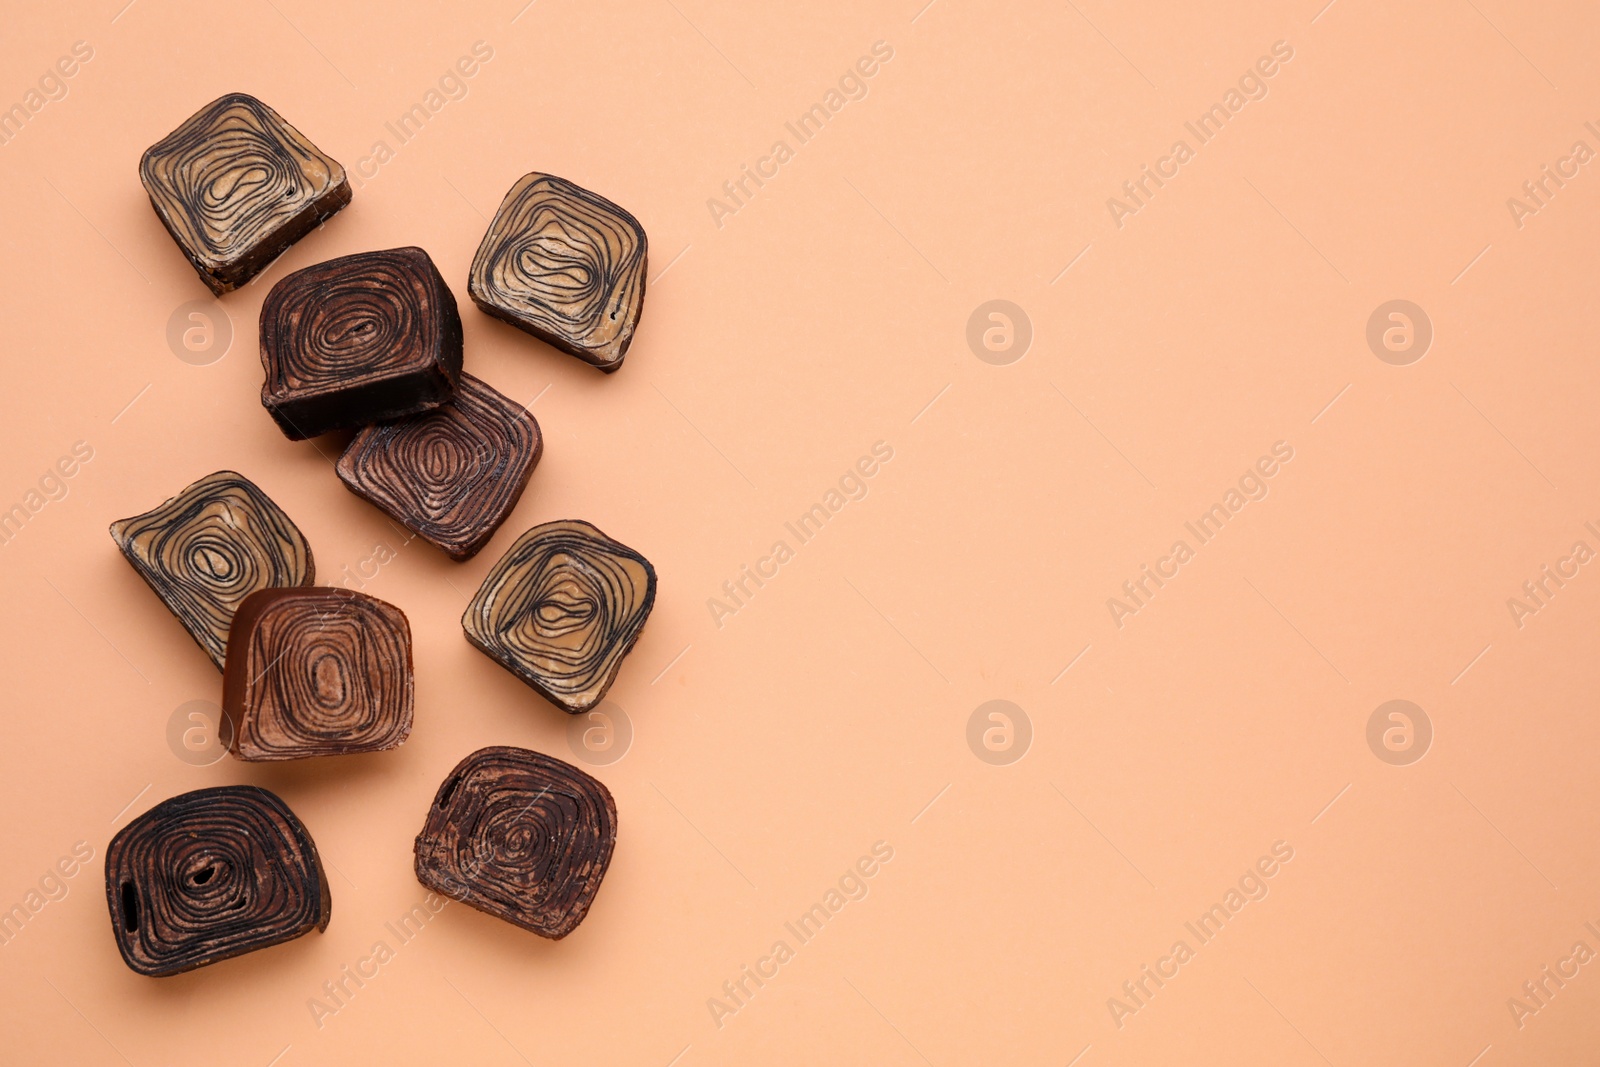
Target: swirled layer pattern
317 672
358 340
567 266
521 836
453 474
561 609
211 546
235 185
212 874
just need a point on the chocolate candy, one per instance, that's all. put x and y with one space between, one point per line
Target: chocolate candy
452 475
211 546
209 875
317 672
235 186
521 836
561 609
358 340
565 265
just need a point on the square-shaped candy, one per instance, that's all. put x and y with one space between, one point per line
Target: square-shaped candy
235 186
561 609
212 874
357 340
521 836
317 672
451 475
567 266
211 546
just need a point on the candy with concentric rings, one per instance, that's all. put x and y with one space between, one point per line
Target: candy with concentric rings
565 265
317 671
209 875
561 609
358 340
452 475
521 836
211 546
235 186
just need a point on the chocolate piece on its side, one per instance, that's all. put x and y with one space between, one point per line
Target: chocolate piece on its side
317 672
358 340
209 875
520 836
561 609
235 186
451 475
209 547
565 265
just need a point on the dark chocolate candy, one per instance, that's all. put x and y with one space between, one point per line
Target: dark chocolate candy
358 340
317 672
211 546
567 266
521 836
451 475
235 186
561 609
212 874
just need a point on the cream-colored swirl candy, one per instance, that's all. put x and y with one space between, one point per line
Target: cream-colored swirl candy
211 546
561 609
235 186
565 265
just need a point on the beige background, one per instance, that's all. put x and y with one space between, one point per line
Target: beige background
831 711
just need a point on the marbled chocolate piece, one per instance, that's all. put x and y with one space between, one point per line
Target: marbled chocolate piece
317 672
211 546
567 266
212 874
235 186
520 836
451 475
561 609
358 340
